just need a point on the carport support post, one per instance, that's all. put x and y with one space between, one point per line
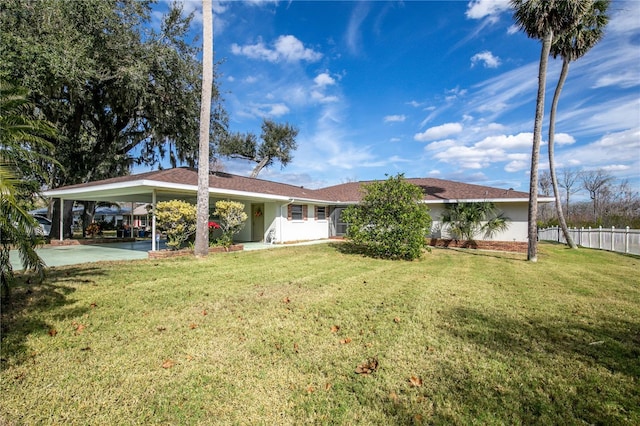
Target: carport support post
62 219
131 223
153 220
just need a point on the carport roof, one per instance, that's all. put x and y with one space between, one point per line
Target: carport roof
181 182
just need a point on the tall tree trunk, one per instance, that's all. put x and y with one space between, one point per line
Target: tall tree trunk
532 251
259 167
552 165
88 213
202 230
67 211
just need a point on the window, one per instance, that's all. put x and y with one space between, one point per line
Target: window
321 213
297 212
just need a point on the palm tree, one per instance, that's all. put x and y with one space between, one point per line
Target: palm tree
542 20
468 219
202 230
571 46
22 140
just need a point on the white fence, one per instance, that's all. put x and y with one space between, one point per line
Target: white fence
623 240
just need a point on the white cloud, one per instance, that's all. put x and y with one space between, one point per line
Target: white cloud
251 79
394 118
286 48
324 79
564 139
438 132
625 17
513 29
491 9
437 145
619 148
394 140
624 79
516 166
521 140
322 98
414 104
487 58
293 50
353 36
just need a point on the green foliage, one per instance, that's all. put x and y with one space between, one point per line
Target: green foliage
467 219
22 139
390 221
278 143
117 87
178 219
232 220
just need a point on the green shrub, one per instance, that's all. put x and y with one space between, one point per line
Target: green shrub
391 221
178 219
232 218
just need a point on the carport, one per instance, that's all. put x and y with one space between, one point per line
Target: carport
164 185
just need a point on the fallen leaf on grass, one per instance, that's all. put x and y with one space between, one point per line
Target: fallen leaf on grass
189 358
53 332
335 328
396 320
286 300
204 312
168 363
345 341
78 327
327 386
86 349
94 305
310 389
415 381
393 396
161 328
368 367
193 325
295 347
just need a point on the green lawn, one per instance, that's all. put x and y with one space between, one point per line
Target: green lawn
275 337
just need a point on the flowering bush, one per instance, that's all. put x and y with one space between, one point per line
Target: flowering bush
93 229
232 218
178 219
213 227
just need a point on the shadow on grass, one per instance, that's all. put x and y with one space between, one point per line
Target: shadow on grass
22 315
613 343
529 371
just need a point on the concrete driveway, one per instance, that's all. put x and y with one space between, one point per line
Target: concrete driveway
73 255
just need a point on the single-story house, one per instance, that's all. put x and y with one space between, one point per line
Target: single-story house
283 213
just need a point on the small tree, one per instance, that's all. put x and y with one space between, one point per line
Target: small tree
232 219
391 221
468 219
178 219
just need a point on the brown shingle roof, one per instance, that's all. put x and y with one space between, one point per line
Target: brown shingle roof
434 189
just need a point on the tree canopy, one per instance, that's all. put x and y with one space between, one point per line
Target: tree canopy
278 143
120 91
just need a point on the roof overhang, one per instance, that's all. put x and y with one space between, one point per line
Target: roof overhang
493 200
142 191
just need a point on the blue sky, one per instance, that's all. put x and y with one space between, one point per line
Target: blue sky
424 88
